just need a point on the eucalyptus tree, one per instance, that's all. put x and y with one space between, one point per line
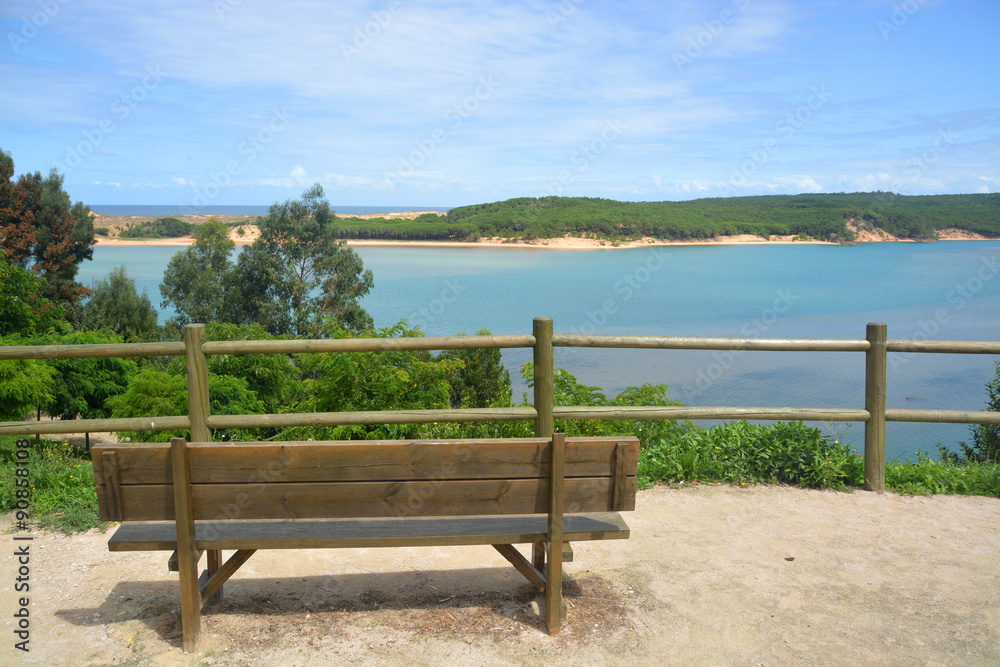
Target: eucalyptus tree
297 274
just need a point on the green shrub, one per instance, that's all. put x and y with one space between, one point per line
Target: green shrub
157 229
63 495
739 452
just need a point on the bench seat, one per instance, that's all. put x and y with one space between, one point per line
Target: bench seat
360 533
205 498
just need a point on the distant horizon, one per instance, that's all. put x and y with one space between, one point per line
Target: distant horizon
364 209
230 102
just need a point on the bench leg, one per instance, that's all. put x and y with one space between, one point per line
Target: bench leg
187 549
554 610
214 563
538 556
190 602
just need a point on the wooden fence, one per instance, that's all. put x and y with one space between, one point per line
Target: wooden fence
195 348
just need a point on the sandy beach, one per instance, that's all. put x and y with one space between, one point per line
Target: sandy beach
712 575
246 233
564 243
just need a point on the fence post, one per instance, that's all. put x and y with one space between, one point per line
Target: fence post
197 380
875 366
544 380
544 377
198 411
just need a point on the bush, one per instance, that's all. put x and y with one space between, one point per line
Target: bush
157 229
115 305
63 495
739 452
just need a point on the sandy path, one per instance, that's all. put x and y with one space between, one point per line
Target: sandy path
711 575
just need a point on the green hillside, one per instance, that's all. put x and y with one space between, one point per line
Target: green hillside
820 216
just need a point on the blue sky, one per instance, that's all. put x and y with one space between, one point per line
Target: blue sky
444 103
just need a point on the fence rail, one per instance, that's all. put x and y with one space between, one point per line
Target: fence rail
542 340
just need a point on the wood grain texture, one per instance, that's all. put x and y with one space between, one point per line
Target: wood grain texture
187 550
113 485
875 378
212 589
372 499
364 533
553 566
522 565
360 460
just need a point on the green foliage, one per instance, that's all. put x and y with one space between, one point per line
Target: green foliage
115 305
272 377
986 437
296 274
157 229
944 476
196 279
102 231
25 384
353 381
293 278
38 224
739 452
231 396
569 391
480 379
24 309
153 393
821 216
63 495
81 386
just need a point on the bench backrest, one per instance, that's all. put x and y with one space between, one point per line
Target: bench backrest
357 478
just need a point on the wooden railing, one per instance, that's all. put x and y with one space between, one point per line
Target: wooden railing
196 348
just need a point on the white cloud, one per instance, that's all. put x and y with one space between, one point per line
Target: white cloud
179 180
799 183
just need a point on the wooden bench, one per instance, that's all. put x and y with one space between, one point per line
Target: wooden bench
203 496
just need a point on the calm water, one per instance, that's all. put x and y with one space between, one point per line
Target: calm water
945 290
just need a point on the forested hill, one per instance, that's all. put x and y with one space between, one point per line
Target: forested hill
821 216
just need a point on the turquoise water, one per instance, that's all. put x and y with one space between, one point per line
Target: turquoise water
945 290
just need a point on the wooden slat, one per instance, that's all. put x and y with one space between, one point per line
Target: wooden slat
113 487
567 552
364 533
522 565
255 463
372 499
621 477
187 550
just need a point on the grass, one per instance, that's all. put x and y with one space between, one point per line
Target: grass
64 498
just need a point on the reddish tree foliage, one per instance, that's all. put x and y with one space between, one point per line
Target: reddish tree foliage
17 219
37 223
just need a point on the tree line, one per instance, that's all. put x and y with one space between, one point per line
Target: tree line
817 216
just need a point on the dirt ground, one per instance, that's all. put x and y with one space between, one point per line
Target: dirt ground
712 575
